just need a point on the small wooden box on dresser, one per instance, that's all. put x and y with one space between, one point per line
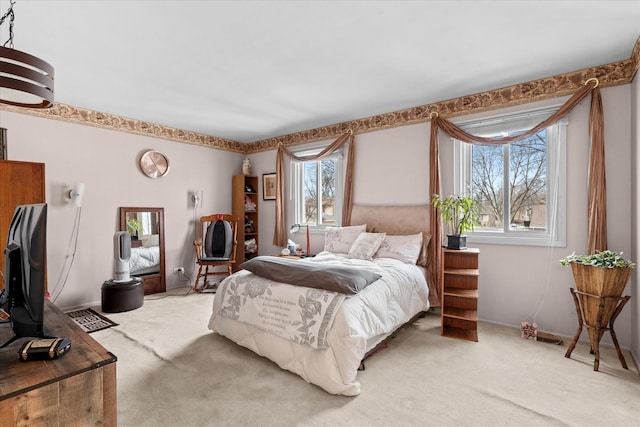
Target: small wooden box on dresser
79 389
459 310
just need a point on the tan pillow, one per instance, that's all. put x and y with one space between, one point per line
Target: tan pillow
151 240
423 258
406 248
366 245
340 239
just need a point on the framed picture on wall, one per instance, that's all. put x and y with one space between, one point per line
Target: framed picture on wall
268 186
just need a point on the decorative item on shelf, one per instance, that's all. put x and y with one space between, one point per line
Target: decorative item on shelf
246 167
250 246
26 81
600 280
461 213
248 188
249 204
248 225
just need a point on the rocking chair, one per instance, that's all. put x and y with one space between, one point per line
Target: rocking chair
217 248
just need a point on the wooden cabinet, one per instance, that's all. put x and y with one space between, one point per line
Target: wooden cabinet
245 206
459 309
79 389
21 183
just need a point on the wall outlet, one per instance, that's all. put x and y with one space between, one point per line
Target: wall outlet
179 270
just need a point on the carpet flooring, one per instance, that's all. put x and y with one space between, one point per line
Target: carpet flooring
172 370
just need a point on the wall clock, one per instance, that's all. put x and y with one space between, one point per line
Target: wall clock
154 164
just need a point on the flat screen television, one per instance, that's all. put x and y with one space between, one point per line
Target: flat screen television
26 271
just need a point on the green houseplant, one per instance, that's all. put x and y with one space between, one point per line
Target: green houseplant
602 274
604 259
134 227
461 213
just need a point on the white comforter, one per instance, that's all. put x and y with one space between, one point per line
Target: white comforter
145 260
362 322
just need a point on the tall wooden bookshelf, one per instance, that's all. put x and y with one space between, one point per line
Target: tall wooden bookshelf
459 310
245 188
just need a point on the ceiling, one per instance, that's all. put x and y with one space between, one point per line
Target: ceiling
250 70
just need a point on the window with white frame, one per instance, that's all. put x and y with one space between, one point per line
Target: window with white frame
316 190
520 187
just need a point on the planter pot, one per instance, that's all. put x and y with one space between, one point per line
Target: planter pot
527 223
456 241
599 282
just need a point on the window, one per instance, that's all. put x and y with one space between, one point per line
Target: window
520 187
316 189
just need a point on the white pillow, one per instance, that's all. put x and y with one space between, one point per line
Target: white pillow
404 248
366 245
151 240
340 239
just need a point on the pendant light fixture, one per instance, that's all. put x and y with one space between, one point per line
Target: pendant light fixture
25 80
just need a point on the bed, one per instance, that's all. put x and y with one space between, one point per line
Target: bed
145 259
323 331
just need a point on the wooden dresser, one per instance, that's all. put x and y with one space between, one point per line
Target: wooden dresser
79 389
21 183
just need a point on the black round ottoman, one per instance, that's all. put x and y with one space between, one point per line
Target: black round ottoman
122 296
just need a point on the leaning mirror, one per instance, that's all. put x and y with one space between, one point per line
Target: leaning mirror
146 227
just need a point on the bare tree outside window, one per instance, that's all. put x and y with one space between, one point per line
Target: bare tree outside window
319 178
311 193
526 180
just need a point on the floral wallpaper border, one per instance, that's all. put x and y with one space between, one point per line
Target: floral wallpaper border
613 74
83 116
565 84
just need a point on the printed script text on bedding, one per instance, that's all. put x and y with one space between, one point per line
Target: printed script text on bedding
302 315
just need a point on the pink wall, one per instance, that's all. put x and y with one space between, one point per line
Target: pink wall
106 162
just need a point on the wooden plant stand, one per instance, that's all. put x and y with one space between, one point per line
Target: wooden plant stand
608 309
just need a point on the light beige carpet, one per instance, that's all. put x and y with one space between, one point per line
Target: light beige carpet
172 371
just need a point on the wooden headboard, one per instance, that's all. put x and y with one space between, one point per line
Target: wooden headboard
400 220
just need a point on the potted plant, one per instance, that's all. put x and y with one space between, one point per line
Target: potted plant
603 274
527 216
461 213
134 227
